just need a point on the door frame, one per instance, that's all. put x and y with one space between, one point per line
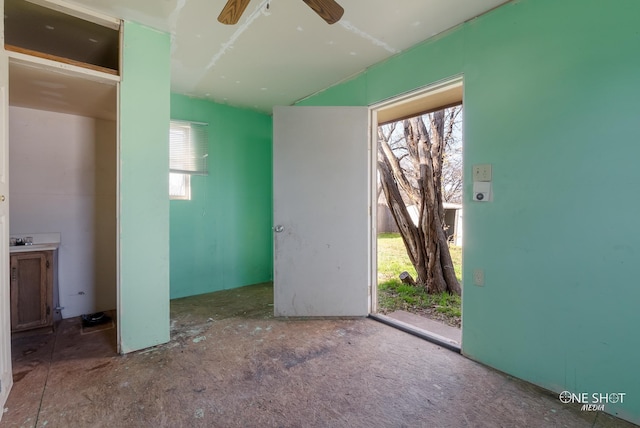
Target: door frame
373 210
6 378
80 73
435 96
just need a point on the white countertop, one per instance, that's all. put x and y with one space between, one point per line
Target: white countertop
41 242
34 247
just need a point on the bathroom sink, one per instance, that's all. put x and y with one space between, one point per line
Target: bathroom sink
41 242
34 247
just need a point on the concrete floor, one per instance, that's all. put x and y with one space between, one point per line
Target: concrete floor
452 333
231 364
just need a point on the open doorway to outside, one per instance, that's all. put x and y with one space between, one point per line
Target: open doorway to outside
419 212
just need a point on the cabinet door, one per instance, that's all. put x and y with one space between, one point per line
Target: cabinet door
30 290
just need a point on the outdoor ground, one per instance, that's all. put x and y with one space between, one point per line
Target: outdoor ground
393 295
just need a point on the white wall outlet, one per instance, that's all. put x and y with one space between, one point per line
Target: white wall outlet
478 277
482 172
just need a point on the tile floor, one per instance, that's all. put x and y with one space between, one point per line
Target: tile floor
231 364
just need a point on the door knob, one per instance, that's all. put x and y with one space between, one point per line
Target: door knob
279 228
2 198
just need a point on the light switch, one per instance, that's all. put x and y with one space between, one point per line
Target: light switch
482 172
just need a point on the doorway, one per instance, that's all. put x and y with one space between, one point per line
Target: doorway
63 181
63 79
418 196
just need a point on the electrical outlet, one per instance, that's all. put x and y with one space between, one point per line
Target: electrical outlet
478 277
482 172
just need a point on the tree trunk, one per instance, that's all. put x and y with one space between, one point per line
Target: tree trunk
406 278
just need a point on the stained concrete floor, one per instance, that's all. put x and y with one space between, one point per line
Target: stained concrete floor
231 364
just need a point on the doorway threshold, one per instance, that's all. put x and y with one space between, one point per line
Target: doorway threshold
435 338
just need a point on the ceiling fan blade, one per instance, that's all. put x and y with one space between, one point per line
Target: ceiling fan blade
232 11
328 10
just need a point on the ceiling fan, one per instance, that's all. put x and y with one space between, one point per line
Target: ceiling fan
328 10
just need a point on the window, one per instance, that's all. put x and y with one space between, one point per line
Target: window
179 186
188 153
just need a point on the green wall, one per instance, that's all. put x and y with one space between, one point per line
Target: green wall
144 202
222 237
551 101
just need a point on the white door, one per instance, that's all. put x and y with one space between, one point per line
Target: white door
6 379
322 217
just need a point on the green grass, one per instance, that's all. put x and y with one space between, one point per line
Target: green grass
394 295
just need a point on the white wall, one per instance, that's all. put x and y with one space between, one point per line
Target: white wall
62 178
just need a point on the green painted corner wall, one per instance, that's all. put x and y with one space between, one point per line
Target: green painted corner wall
222 237
551 101
144 204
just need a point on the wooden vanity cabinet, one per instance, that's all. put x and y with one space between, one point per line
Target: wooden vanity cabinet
31 290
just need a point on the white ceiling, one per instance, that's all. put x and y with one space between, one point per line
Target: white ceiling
281 51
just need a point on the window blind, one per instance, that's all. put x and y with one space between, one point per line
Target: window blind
188 148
